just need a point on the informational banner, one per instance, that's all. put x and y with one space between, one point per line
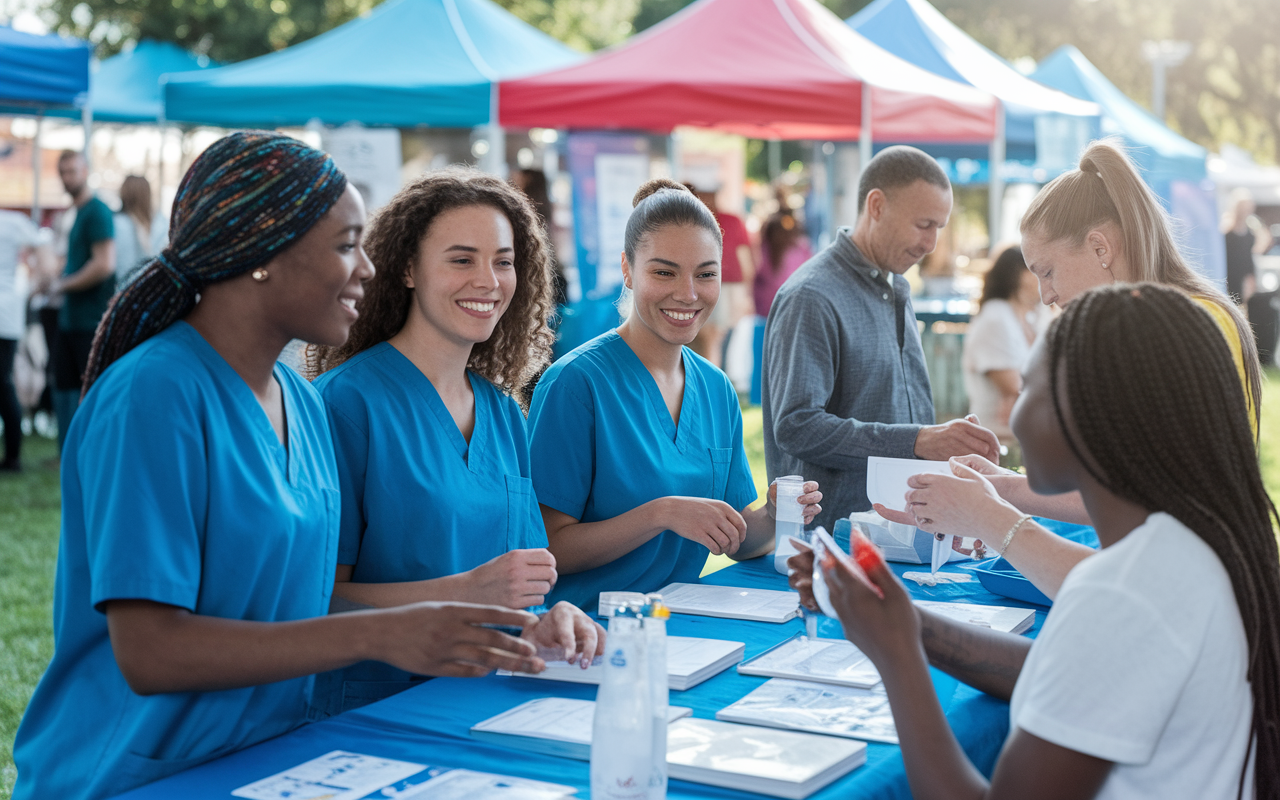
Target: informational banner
606 169
370 158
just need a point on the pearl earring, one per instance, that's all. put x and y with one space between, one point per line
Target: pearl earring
260 274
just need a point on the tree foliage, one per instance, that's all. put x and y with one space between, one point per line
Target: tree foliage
1227 91
225 30
583 24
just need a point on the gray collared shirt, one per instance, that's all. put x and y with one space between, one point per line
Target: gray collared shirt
844 375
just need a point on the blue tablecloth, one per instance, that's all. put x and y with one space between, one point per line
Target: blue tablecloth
429 724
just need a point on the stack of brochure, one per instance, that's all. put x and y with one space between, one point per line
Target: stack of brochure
834 661
340 775
731 602
817 708
690 661
554 726
750 759
997 618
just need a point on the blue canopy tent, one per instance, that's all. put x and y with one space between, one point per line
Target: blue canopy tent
1039 123
1172 166
407 63
126 87
39 74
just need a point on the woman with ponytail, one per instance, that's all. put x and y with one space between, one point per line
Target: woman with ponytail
1158 673
636 441
200 498
1090 227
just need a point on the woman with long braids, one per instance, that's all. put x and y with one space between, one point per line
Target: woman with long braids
1158 673
636 440
1089 227
200 496
433 458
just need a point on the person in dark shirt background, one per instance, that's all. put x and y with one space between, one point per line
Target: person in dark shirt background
87 283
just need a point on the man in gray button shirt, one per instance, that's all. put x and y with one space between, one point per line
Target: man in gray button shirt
844 373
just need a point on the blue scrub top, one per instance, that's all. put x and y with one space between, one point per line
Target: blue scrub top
175 489
603 442
418 502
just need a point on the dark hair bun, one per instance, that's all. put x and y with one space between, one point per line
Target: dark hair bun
654 186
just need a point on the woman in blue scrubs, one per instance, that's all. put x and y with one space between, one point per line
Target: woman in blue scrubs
636 441
433 455
200 496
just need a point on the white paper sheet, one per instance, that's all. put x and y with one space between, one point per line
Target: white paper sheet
731 602
464 784
338 775
1000 618
817 708
560 719
887 478
686 655
753 754
823 660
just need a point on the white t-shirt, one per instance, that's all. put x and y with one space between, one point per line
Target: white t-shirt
1142 662
17 232
995 340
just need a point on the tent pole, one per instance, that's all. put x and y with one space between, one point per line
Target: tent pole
163 126
496 158
160 164
673 154
829 166
864 132
35 170
995 182
86 119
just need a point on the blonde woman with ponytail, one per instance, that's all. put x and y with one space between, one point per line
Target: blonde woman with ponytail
1090 227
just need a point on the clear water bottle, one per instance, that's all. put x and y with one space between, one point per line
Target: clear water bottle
655 630
789 520
622 730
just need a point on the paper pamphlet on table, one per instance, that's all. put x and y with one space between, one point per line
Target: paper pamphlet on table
557 726
731 602
998 618
887 478
817 708
341 775
751 759
834 661
690 661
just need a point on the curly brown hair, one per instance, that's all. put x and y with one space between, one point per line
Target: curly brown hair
521 342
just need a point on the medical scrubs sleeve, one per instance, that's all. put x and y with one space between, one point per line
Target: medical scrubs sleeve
602 442
176 490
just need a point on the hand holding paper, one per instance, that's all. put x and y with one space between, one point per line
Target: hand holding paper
960 504
887 481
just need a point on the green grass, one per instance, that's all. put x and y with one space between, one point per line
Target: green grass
29 548
29 511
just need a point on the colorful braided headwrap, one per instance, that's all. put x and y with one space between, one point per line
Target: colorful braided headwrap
245 200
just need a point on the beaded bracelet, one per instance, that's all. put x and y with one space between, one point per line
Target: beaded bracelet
1008 537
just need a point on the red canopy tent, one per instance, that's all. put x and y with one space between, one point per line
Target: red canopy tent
773 69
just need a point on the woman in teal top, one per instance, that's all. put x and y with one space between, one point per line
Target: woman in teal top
433 456
636 441
200 496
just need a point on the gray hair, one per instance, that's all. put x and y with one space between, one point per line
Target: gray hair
898 166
